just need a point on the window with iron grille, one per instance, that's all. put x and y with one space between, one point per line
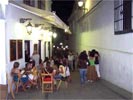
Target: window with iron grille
123 16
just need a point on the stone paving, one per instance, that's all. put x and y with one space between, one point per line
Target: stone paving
90 91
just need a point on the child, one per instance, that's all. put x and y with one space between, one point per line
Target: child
15 73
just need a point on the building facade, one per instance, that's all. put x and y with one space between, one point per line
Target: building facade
106 26
15 16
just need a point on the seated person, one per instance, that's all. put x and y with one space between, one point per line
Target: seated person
48 69
34 72
45 62
41 66
55 70
29 74
61 72
24 77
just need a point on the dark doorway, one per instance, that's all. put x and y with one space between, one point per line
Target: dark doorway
35 47
27 50
39 48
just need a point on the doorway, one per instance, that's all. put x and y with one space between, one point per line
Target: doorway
37 47
27 50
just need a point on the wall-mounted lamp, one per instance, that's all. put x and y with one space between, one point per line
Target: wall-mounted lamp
28 26
81 4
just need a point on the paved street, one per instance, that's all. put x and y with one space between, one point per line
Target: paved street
98 90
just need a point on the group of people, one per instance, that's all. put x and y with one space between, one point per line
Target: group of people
88 65
59 66
30 75
25 77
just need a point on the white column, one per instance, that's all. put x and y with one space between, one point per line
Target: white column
42 50
3 80
47 49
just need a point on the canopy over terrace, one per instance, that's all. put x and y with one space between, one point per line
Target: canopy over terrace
49 17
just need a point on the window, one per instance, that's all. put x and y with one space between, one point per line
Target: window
29 2
16 49
39 4
123 16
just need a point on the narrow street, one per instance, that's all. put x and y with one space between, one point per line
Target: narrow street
97 90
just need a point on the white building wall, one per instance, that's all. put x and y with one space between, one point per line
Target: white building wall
3 78
17 30
96 30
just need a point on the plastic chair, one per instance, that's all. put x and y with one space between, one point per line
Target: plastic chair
47 83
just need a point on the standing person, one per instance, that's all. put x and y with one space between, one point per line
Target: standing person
97 62
82 65
92 75
70 61
36 58
68 75
16 75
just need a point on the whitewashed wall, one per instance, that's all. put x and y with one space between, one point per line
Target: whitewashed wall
3 78
116 62
2 53
16 30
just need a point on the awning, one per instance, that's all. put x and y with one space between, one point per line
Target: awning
49 17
